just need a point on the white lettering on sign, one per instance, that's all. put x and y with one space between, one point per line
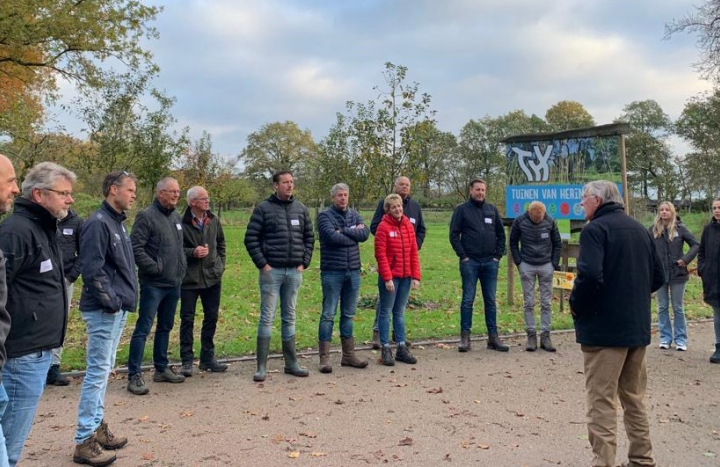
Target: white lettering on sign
534 164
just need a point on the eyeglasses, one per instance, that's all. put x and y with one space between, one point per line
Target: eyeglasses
116 179
202 199
172 192
63 194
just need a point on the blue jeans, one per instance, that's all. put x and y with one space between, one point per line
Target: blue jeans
3 450
160 301
393 303
24 381
282 283
341 287
671 293
471 272
103 331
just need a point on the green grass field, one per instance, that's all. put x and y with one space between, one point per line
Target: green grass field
432 312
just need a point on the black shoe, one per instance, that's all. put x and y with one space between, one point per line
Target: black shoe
213 366
168 375
55 378
187 370
402 354
136 385
387 356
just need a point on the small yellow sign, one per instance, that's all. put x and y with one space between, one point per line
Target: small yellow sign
563 280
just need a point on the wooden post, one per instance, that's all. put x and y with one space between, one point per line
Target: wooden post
623 158
510 273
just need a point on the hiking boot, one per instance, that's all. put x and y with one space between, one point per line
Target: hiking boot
213 366
187 370
348 354
291 365
387 356
325 366
531 345
107 439
168 375
464 345
376 340
546 343
715 358
90 453
495 343
55 378
136 385
261 353
402 354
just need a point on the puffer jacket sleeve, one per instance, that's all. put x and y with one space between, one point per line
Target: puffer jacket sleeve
515 241
414 256
556 245
381 246
329 233
253 237
308 239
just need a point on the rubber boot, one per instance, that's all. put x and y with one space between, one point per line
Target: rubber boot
376 340
531 345
546 343
325 366
291 364
715 358
262 352
495 343
348 354
464 345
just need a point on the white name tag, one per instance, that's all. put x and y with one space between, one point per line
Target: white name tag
488 220
294 222
412 220
46 266
393 234
179 227
68 231
544 235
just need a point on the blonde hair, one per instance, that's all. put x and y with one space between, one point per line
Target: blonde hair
390 200
659 226
537 207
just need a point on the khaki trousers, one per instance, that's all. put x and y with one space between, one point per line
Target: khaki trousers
613 373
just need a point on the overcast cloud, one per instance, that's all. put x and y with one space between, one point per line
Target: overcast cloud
234 65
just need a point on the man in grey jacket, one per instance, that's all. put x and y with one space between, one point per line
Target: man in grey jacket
157 241
280 241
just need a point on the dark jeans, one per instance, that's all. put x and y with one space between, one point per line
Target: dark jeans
160 301
210 298
471 272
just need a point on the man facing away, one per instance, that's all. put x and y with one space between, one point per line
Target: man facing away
109 293
617 270
204 245
478 237
8 191
157 241
280 241
36 299
413 211
341 231
536 245
69 239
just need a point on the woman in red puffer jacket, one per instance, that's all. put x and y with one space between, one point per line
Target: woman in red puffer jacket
398 263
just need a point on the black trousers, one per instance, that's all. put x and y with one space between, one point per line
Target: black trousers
210 298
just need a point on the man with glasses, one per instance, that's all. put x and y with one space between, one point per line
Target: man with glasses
36 297
204 245
109 293
157 240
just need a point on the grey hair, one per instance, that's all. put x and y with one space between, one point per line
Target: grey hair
605 190
338 187
43 176
164 183
193 193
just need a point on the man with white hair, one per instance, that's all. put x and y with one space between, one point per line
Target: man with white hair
36 299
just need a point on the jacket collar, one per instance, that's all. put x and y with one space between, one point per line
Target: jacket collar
607 208
118 216
26 208
274 198
187 215
161 208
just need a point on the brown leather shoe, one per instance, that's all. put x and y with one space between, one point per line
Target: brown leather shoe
107 439
90 453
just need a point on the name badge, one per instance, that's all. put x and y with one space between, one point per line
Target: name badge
46 266
488 220
294 222
179 227
544 235
393 234
412 220
68 231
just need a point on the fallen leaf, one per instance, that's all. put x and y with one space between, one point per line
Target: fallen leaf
442 346
144 418
266 417
406 442
477 401
709 454
186 414
318 454
147 456
483 446
294 455
309 434
435 391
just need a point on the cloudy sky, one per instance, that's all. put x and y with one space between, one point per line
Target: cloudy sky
234 65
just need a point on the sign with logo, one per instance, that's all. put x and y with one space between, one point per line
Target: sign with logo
563 280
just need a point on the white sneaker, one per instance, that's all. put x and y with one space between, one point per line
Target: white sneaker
681 347
664 345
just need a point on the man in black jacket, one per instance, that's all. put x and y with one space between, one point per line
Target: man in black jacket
8 190
280 241
109 293
69 240
204 245
157 241
478 237
617 270
411 210
535 245
37 300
